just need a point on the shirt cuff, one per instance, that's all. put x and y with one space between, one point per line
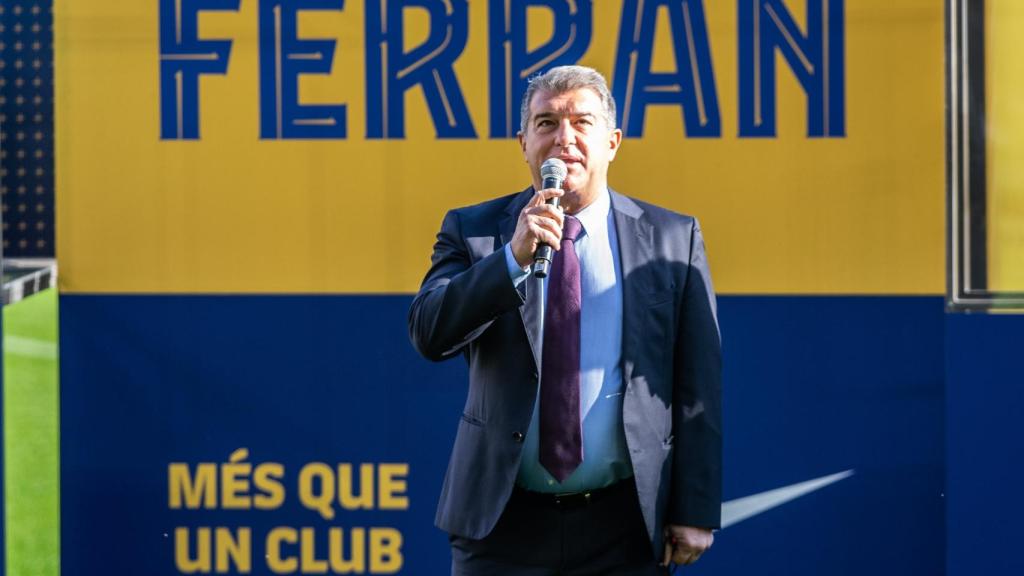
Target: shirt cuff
517 273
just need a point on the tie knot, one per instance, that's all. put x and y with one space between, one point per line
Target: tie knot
572 228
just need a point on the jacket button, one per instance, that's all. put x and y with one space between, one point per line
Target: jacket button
517 436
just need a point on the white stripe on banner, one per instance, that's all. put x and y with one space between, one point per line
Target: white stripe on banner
740 509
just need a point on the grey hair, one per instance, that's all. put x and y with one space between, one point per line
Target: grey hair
562 79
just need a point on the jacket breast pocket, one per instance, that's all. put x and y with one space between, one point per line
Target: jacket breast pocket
660 315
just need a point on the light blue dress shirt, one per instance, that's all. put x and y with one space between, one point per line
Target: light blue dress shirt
605 454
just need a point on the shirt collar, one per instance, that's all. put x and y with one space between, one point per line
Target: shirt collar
594 217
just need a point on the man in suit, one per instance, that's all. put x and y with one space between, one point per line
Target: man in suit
590 441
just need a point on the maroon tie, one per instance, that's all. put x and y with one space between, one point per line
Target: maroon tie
561 435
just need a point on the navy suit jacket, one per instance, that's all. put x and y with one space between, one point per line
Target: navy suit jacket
671 362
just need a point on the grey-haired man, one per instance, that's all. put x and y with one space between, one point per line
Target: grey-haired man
590 442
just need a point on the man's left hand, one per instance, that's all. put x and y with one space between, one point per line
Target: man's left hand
685 544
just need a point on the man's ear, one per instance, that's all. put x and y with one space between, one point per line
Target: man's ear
522 144
614 141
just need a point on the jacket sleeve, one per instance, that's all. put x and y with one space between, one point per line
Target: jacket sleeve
459 298
696 496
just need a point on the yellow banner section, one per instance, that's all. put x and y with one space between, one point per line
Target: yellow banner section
1004 83
313 146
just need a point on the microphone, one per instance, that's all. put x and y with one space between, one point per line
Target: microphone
553 173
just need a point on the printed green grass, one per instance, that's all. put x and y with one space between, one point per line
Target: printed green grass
30 423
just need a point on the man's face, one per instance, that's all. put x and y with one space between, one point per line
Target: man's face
571 126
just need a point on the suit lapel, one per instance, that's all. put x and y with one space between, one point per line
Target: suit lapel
635 255
531 309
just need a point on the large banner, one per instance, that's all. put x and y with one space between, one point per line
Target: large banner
248 192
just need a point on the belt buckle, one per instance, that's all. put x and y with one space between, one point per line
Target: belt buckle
573 499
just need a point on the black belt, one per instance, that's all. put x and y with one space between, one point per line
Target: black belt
567 500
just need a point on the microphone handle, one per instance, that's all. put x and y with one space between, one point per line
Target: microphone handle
542 257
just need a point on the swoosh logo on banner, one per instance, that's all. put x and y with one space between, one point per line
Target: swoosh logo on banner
740 509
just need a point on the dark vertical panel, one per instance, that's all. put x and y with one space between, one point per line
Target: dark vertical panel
977 202
984 430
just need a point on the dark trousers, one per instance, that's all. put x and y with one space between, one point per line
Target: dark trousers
536 536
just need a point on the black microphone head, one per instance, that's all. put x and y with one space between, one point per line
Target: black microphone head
553 168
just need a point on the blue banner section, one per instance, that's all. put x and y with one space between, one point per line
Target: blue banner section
815 386
984 402
294 380
210 434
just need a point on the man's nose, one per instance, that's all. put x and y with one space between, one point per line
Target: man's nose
565 136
